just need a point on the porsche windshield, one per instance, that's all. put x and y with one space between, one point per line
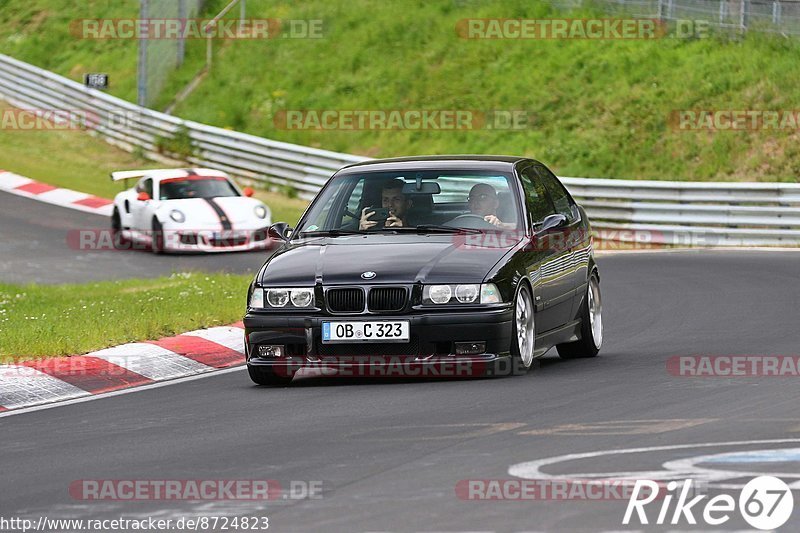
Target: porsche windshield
179 188
415 200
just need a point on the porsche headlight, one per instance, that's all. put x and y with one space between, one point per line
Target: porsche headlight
177 216
261 211
462 293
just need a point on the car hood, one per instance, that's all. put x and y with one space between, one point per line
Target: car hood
393 259
201 214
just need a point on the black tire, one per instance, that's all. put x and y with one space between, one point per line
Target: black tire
518 365
157 245
586 346
118 240
264 375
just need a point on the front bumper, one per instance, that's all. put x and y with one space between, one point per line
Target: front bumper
429 353
207 241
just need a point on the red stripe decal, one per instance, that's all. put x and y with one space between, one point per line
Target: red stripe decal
36 188
3 409
94 202
88 373
201 350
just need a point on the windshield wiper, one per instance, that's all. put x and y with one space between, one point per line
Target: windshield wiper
333 232
433 228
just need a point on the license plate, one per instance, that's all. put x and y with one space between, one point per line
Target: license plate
383 331
228 235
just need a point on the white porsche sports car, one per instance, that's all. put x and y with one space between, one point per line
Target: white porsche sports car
188 210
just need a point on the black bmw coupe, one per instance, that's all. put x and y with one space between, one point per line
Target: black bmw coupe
427 266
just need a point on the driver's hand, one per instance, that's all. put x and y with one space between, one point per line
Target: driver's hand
393 222
493 220
365 222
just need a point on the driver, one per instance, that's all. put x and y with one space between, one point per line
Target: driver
483 202
392 197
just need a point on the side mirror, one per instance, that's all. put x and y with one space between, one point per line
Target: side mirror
143 197
550 222
248 191
280 230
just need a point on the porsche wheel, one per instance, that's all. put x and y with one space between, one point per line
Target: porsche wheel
117 238
157 245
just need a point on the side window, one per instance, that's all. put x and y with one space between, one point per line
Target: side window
558 194
146 185
536 198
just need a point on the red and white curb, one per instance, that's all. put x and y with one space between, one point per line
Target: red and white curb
22 186
43 381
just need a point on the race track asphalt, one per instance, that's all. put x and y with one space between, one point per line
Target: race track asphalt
39 244
390 453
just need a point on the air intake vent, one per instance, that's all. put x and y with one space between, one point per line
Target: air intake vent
387 299
345 300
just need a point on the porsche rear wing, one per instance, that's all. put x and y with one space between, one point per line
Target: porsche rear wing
128 174
121 175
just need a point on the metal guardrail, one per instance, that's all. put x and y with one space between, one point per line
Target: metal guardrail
668 212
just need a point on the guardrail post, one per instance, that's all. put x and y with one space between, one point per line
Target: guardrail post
181 40
744 15
142 67
776 12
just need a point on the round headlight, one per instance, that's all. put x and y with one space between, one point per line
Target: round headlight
440 294
261 211
177 216
466 293
301 297
277 297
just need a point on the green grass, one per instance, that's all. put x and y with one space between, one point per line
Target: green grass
600 107
40 321
78 161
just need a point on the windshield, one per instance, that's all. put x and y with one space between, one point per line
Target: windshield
414 200
178 188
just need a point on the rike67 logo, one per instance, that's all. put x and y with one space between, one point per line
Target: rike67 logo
766 503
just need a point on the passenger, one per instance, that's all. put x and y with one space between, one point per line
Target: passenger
483 202
392 197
